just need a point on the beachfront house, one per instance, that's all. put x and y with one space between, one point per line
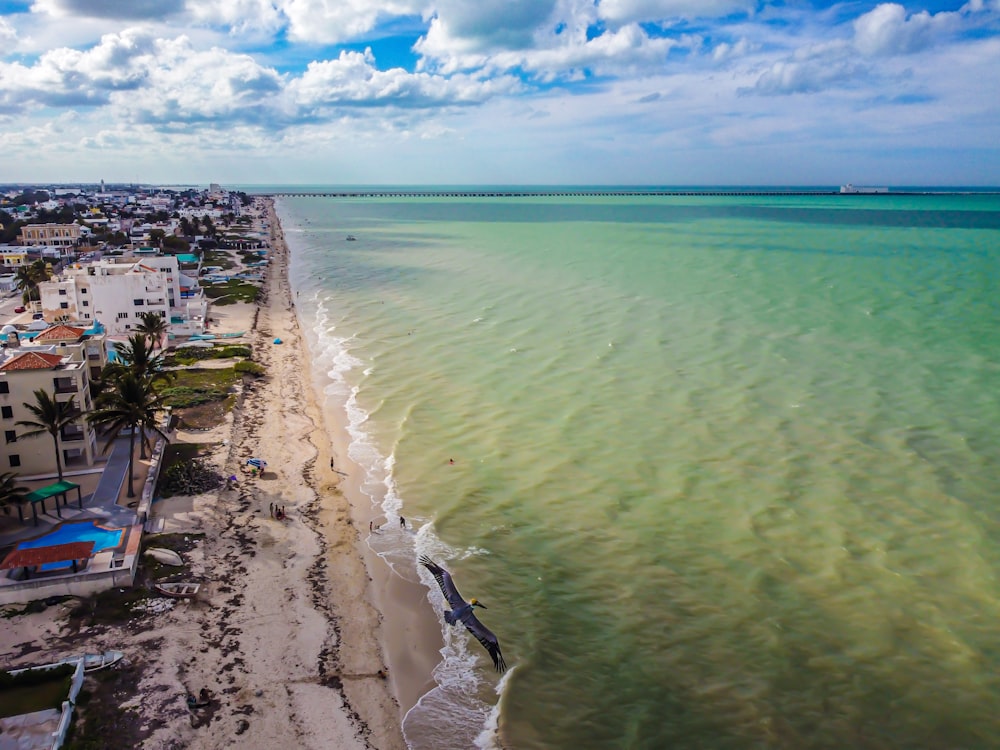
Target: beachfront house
61 367
118 291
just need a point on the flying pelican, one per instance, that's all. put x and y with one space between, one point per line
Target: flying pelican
462 612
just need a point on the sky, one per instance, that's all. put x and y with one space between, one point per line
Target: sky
500 92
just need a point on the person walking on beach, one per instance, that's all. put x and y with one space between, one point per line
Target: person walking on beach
271 507
402 522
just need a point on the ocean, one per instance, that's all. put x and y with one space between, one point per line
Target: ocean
724 468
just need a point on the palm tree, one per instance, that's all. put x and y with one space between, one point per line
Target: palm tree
51 416
136 356
131 403
11 493
29 277
153 326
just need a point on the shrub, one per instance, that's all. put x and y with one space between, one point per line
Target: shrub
249 368
186 355
189 478
182 396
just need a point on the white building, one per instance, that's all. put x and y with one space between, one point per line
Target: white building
61 361
118 291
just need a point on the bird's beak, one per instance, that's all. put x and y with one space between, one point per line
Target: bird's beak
477 604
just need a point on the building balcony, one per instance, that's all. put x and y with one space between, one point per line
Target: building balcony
72 434
65 385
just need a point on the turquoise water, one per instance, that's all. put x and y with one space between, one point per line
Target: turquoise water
75 531
725 468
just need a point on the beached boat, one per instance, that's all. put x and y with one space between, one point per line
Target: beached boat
165 556
93 662
177 590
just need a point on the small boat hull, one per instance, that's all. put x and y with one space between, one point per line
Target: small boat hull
178 590
165 556
93 662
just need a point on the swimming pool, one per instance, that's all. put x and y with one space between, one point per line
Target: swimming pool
75 531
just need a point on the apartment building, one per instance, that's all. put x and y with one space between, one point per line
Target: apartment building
61 364
118 292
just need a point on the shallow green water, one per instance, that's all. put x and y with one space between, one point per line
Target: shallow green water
725 469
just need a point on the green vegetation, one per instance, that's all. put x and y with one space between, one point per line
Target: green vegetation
175 454
189 478
250 368
231 292
218 258
190 354
201 398
33 691
50 416
11 493
181 397
27 279
174 244
131 403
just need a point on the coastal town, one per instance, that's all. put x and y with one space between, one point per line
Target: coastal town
169 506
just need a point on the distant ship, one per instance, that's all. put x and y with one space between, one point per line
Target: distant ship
858 189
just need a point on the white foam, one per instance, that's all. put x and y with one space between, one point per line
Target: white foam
452 714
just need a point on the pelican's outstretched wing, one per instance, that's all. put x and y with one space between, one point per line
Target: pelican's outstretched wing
485 636
443 578
482 633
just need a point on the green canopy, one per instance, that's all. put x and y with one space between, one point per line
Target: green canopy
53 490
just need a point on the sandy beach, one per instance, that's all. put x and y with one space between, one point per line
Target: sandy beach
286 634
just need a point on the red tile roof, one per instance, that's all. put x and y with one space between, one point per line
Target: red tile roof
60 333
32 361
21 558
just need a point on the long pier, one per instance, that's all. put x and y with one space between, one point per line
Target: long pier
543 193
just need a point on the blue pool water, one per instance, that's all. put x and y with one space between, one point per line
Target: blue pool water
75 531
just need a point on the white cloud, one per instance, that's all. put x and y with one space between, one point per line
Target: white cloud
497 89
186 85
809 75
7 32
636 11
132 10
726 51
67 77
239 15
887 30
625 50
330 21
352 80
488 25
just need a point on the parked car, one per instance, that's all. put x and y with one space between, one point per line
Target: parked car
19 309
38 316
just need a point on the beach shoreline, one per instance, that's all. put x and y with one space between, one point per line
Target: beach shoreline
284 637
410 633
300 632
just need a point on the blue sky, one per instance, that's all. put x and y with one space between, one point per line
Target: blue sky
659 92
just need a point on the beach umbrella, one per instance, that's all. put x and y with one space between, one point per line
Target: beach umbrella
259 463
